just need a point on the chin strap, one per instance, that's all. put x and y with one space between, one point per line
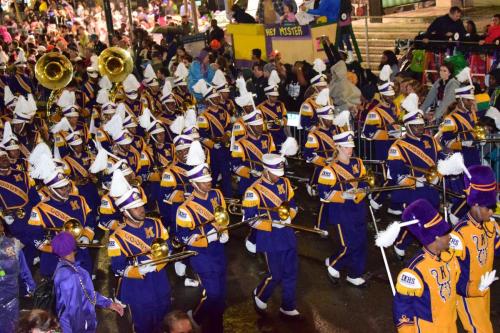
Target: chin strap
129 216
57 195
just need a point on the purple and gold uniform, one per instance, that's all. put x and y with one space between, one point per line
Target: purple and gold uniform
109 214
275 117
214 124
21 84
308 116
147 295
276 241
210 263
52 213
379 123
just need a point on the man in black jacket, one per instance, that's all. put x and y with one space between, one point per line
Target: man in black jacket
446 26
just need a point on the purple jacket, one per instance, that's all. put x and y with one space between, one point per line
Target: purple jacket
75 306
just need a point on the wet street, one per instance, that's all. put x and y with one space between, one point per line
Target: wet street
325 307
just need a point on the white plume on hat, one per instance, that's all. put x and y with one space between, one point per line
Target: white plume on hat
105 83
219 79
319 65
167 89
290 147
177 125
44 167
150 76
102 96
62 125
114 126
23 108
119 184
3 58
385 73
273 79
94 64
201 87
181 71
8 95
410 103
8 134
342 119
121 110
196 154
452 165
145 119
492 113
131 83
40 149
66 99
32 103
241 85
323 97
190 118
388 236
21 57
464 75
100 162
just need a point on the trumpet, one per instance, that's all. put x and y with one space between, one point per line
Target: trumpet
159 253
369 177
75 228
479 132
20 213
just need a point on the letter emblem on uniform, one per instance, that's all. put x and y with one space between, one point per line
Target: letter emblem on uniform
427 145
481 248
74 205
442 277
149 232
281 189
355 169
18 178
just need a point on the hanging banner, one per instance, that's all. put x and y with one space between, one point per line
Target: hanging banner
293 30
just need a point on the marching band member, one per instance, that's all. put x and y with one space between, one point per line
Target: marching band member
246 103
273 238
346 210
75 296
308 116
319 148
168 111
20 83
90 87
214 124
426 290
9 101
145 288
10 143
247 152
456 130
150 96
180 90
196 229
222 88
477 238
21 125
415 149
57 209
273 110
18 195
99 119
132 101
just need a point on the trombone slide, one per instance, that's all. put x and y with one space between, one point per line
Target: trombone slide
165 260
322 233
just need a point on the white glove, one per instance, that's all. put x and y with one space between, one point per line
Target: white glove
8 219
212 236
180 268
217 145
487 279
84 240
145 269
420 182
278 225
287 221
224 238
255 173
348 195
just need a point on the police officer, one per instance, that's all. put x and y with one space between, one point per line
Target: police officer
145 287
273 238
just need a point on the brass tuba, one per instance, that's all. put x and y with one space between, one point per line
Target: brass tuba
116 63
53 71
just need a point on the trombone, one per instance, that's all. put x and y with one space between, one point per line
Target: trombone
479 132
20 213
159 253
283 211
75 228
369 177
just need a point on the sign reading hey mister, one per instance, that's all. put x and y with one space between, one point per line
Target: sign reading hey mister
293 30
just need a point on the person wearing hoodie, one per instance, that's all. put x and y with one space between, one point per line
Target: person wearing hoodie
328 8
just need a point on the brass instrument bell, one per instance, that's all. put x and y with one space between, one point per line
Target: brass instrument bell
479 132
159 248
116 63
20 213
221 217
53 71
284 210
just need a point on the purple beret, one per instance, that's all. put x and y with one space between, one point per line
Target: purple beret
203 53
430 225
481 188
63 244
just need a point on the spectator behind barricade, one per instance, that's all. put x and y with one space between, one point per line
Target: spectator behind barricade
389 58
446 26
179 54
257 56
494 88
288 14
13 270
493 32
240 16
296 84
269 11
178 322
327 8
346 96
441 95
367 81
201 68
257 83
186 26
37 321
215 32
